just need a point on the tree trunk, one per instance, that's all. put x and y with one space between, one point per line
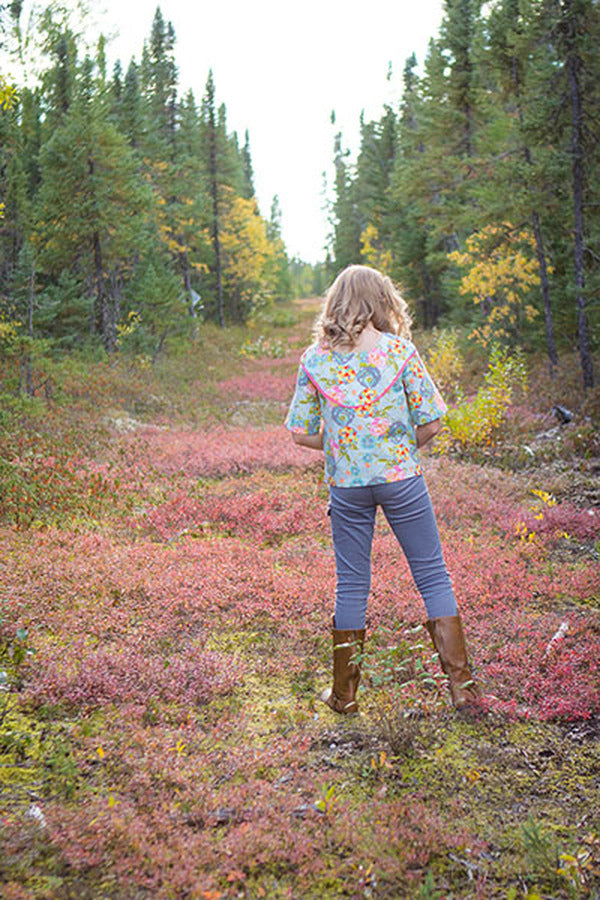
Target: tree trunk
539 242
91 295
106 324
215 230
28 372
544 281
549 325
116 295
428 302
103 313
573 65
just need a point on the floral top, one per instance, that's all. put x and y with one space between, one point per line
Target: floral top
370 402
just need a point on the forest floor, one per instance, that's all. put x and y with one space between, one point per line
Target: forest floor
167 582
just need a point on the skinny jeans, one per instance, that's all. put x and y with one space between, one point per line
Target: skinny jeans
407 507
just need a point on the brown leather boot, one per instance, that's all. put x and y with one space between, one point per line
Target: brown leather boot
341 698
449 642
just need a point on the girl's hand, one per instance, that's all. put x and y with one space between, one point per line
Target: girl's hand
312 441
428 431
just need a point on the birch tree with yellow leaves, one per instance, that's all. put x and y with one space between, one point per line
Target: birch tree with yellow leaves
247 258
499 270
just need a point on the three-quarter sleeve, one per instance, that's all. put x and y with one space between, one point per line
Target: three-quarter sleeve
425 402
304 414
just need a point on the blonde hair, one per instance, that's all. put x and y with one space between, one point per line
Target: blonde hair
360 295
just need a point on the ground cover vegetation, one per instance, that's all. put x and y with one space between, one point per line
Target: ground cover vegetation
167 583
166 571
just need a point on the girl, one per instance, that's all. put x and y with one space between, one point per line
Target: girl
364 396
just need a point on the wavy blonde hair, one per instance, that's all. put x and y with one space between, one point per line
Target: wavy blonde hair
360 295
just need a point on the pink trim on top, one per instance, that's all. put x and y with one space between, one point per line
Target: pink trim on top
356 406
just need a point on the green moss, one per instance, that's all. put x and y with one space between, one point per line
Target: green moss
21 756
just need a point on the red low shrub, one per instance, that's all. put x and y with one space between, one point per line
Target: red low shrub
263 516
258 386
220 451
78 677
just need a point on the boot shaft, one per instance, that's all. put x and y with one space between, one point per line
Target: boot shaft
449 642
346 673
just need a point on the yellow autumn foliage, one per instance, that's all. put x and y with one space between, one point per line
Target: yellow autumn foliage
445 361
9 332
500 269
478 422
372 252
8 98
8 94
247 253
178 230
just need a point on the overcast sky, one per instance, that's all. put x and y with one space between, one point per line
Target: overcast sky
281 68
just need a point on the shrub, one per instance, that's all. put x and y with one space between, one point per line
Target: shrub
263 346
477 422
411 685
445 361
87 678
258 386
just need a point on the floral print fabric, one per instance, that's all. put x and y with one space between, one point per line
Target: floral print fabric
370 403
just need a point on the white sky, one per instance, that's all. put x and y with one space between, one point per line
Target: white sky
281 68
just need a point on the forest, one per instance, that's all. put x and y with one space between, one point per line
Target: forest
129 211
480 193
130 215
166 565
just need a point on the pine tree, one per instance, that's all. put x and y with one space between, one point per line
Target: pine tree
278 277
344 217
129 115
559 122
190 206
161 89
512 45
91 204
374 169
420 241
577 27
458 38
58 80
246 157
211 154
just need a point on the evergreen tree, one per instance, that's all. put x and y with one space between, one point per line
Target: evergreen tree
91 205
211 135
129 110
190 212
278 276
246 158
577 32
421 241
344 217
58 80
522 187
119 195
161 89
374 169
458 38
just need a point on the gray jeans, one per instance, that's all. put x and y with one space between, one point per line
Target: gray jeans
407 507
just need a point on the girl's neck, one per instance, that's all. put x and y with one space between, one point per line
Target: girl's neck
366 340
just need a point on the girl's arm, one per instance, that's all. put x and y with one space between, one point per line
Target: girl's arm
312 441
426 432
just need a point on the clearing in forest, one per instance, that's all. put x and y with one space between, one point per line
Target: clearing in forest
167 579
